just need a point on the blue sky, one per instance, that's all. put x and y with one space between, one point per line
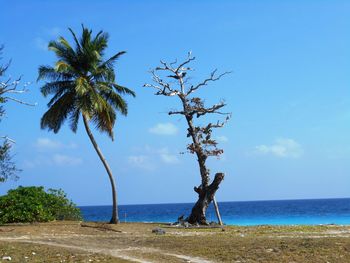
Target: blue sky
289 94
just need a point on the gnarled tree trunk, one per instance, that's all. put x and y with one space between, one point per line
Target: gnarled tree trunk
205 197
203 145
115 218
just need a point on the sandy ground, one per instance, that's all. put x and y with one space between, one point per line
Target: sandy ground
135 242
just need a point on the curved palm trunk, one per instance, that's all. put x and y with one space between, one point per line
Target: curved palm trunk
115 218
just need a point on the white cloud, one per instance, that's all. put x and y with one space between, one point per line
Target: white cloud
49 153
149 158
46 144
141 161
282 148
53 160
60 159
167 157
164 129
222 138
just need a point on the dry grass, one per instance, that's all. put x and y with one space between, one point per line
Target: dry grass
69 242
27 252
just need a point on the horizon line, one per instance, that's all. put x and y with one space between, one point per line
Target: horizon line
242 201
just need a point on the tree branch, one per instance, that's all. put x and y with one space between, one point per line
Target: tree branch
213 109
15 91
7 139
7 87
162 87
216 182
20 101
218 123
188 60
205 82
176 112
11 88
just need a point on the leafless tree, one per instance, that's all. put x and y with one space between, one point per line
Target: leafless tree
8 91
171 79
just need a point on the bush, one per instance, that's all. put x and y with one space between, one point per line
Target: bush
33 204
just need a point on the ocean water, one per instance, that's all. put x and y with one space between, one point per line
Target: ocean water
282 212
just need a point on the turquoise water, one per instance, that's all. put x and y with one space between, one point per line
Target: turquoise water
286 212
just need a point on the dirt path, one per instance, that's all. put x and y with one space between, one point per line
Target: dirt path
115 253
122 253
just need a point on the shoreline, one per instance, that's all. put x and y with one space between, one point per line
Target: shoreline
225 202
300 212
233 225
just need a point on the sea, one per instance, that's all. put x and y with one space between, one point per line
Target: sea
248 213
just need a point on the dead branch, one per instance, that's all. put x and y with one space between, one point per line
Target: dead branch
176 112
163 88
188 60
213 109
207 80
20 101
7 139
218 124
9 87
217 180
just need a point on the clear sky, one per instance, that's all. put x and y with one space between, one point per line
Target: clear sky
289 94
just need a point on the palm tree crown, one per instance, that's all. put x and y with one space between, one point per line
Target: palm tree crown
82 83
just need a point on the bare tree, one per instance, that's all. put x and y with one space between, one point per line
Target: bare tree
8 91
202 145
9 87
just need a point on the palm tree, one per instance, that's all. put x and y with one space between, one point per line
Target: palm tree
83 85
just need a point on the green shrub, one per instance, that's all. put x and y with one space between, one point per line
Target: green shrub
33 204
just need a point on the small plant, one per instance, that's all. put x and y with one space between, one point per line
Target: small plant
33 204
